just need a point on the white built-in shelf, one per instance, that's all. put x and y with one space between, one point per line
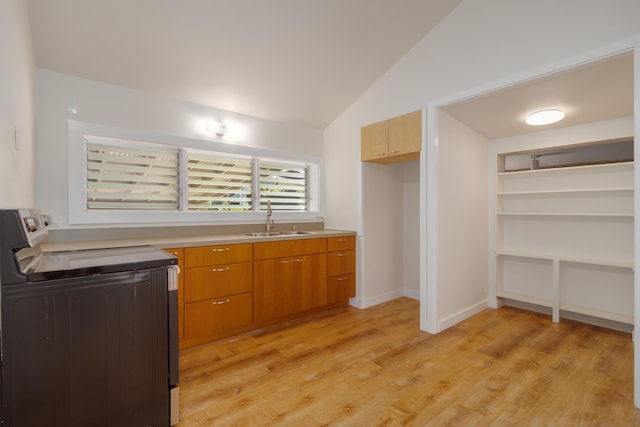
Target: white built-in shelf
568 169
577 260
581 190
597 313
630 215
524 298
572 230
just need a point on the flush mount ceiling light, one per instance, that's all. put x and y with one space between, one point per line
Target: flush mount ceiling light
544 117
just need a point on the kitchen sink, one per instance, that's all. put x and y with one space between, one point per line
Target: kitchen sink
263 234
295 232
277 233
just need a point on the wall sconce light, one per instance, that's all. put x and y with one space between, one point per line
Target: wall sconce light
217 128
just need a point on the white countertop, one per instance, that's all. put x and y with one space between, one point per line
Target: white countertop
181 242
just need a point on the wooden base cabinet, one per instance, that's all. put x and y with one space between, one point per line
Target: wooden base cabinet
229 289
291 283
273 297
309 282
218 281
213 317
218 291
341 268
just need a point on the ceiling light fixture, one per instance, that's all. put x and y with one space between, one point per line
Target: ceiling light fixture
544 117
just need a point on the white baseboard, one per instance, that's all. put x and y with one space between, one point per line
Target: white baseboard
458 317
379 299
362 303
356 302
412 293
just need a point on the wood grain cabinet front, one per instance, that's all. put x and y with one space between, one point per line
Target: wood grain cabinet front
217 281
202 256
392 141
341 268
291 283
218 290
212 318
229 289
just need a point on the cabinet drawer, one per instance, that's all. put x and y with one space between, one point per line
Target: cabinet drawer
340 288
220 254
217 281
342 262
287 248
341 243
206 319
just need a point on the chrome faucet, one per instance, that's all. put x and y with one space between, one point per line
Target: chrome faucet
269 213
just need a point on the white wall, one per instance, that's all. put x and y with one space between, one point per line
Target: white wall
17 96
463 222
410 229
480 43
592 132
105 104
383 261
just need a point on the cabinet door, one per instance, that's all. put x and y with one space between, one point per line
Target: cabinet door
211 318
272 288
405 135
374 141
310 281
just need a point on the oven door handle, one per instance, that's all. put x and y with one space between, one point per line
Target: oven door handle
172 283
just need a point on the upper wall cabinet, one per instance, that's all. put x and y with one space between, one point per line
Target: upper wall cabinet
394 140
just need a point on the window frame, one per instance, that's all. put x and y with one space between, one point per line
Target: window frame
110 168
186 153
79 214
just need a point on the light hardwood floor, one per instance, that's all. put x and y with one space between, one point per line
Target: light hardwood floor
374 367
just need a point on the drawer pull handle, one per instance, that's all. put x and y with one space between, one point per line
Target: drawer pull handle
298 260
219 249
342 254
286 261
218 270
342 240
340 279
221 302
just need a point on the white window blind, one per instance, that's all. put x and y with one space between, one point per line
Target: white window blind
285 185
124 177
219 183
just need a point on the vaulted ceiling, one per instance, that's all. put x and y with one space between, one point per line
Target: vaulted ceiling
294 61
